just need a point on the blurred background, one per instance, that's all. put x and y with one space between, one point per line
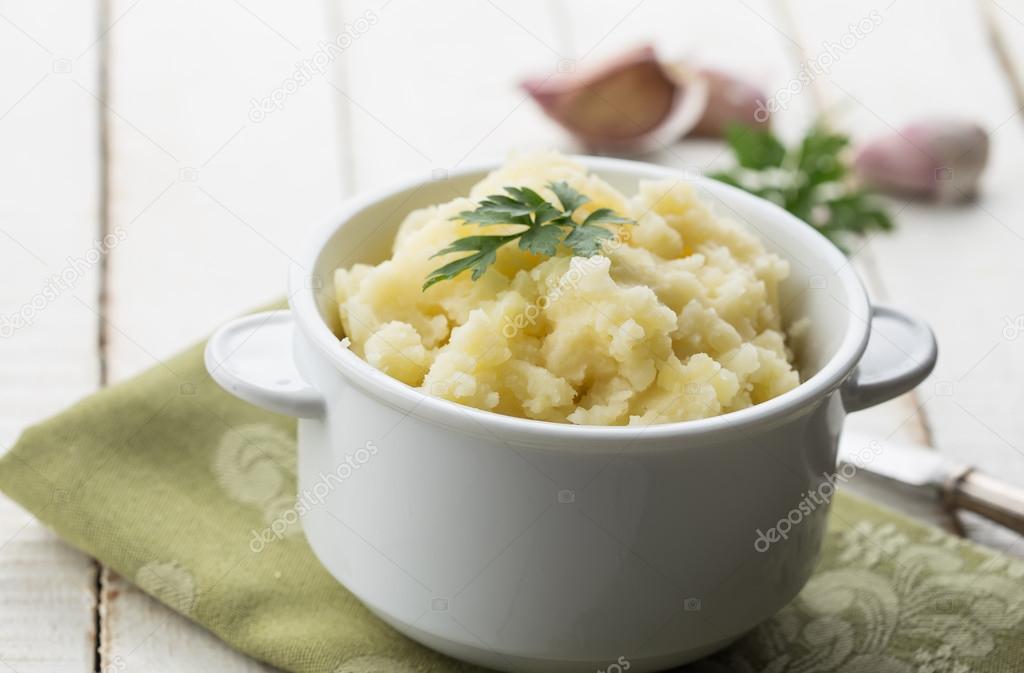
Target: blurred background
161 163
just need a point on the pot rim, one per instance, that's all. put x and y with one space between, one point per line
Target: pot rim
416 403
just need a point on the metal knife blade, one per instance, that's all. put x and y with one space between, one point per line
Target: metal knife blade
903 463
928 475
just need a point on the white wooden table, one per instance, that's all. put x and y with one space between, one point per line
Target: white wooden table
136 117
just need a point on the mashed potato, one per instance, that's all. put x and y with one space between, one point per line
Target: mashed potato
677 320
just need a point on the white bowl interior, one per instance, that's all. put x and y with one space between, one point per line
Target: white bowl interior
819 285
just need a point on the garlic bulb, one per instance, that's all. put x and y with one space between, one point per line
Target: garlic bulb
937 159
730 101
629 103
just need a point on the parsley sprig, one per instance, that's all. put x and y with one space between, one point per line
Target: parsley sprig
810 180
547 225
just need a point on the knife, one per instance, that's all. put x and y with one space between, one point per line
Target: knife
957 485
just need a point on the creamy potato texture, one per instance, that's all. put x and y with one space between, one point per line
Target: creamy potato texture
677 320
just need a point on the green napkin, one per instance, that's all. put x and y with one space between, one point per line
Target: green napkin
165 477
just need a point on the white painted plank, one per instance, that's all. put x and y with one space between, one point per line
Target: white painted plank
49 208
48 605
432 89
214 193
956 267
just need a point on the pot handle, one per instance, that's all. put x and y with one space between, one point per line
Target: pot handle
901 353
251 358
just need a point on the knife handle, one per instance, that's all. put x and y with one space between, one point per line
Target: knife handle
993 499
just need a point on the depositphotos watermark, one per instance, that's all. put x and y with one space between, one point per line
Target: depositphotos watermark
832 52
568 282
1013 327
115 665
311 497
619 666
59 283
813 499
309 68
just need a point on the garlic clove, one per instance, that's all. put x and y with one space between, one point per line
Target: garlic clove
730 101
629 103
936 159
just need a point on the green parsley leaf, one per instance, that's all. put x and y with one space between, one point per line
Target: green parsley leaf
755 149
567 196
810 180
586 239
604 216
485 252
542 240
547 226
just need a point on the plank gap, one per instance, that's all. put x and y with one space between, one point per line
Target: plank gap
97 657
1002 51
105 13
102 94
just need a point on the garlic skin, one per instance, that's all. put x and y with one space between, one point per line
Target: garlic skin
730 101
935 159
631 103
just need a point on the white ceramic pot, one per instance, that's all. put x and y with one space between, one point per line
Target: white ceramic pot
533 546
